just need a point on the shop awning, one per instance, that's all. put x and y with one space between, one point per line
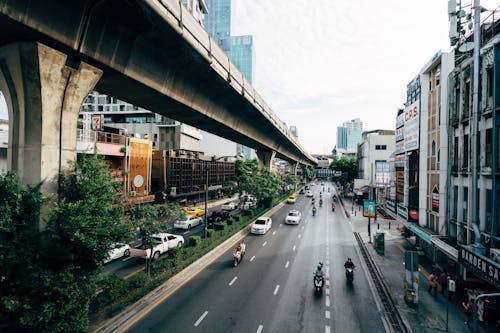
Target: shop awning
447 249
419 232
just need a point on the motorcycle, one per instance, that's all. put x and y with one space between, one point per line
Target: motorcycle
333 207
349 274
320 203
238 257
314 211
319 282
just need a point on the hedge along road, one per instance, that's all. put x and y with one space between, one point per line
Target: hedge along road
136 311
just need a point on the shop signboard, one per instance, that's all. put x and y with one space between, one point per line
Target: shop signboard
382 173
403 211
435 201
400 120
412 126
479 265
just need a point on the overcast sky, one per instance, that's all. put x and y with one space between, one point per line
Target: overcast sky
320 63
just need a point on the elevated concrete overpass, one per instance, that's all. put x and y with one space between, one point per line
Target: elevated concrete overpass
150 53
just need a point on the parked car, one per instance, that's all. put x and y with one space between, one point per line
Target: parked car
217 217
117 251
196 211
309 193
161 243
294 216
248 205
261 225
291 199
188 222
230 205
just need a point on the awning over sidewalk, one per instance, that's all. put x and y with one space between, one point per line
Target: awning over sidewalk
447 249
419 232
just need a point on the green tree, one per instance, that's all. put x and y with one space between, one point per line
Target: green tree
57 270
349 168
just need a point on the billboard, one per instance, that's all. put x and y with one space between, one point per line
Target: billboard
400 120
412 126
368 208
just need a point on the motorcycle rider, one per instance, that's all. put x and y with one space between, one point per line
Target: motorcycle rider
314 210
320 202
333 205
242 246
319 271
349 263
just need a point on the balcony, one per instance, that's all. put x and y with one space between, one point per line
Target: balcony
486 170
455 119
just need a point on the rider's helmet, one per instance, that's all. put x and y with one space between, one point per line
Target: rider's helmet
320 266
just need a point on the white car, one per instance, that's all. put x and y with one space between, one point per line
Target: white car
261 225
230 205
293 217
117 251
189 222
309 193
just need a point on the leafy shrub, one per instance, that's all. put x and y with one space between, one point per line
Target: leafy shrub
138 280
209 233
220 226
236 218
194 240
113 287
230 221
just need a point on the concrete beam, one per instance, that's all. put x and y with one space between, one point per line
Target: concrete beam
44 92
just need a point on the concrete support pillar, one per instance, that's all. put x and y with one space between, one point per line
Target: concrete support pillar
266 158
296 168
44 91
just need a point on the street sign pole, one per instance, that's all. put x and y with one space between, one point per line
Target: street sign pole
369 230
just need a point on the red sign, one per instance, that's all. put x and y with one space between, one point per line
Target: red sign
413 213
435 202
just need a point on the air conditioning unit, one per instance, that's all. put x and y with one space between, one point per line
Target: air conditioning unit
495 255
133 193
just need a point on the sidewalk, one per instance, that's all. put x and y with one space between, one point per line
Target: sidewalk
431 313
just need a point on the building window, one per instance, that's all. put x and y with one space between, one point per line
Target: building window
380 147
489 83
433 148
466 99
488 147
465 207
455 202
488 207
465 160
455 155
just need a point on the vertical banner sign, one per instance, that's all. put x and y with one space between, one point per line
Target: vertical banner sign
412 126
96 123
411 278
369 208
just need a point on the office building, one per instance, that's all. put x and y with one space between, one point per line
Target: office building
349 136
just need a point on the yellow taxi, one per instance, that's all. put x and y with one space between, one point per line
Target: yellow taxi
195 211
291 199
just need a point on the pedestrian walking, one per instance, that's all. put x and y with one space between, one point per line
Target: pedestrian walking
469 311
443 279
433 283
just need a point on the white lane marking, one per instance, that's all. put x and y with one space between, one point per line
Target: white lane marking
327 329
264 244
287 263
251 259
327 301
302 227
274 232
327 282
294 247
232 281
280 224
200 319
185 232
327 291
259 329
276 289
130 257
300 235
327 314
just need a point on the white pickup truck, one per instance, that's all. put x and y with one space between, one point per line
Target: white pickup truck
161 243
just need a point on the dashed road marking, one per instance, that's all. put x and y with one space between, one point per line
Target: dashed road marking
327 282
276 289
232 281
274 232
294 247
327 291
327 314
185 232
327 329
302 227
300 235
251 259
264 244
327 301
200 319
287 263
280 224
260 329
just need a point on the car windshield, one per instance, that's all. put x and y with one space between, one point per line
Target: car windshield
293 214
260 222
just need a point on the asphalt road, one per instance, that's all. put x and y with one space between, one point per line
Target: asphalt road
272 290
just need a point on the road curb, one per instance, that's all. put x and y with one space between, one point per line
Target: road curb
136 311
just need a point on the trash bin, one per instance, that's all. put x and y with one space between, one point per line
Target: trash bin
379 242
